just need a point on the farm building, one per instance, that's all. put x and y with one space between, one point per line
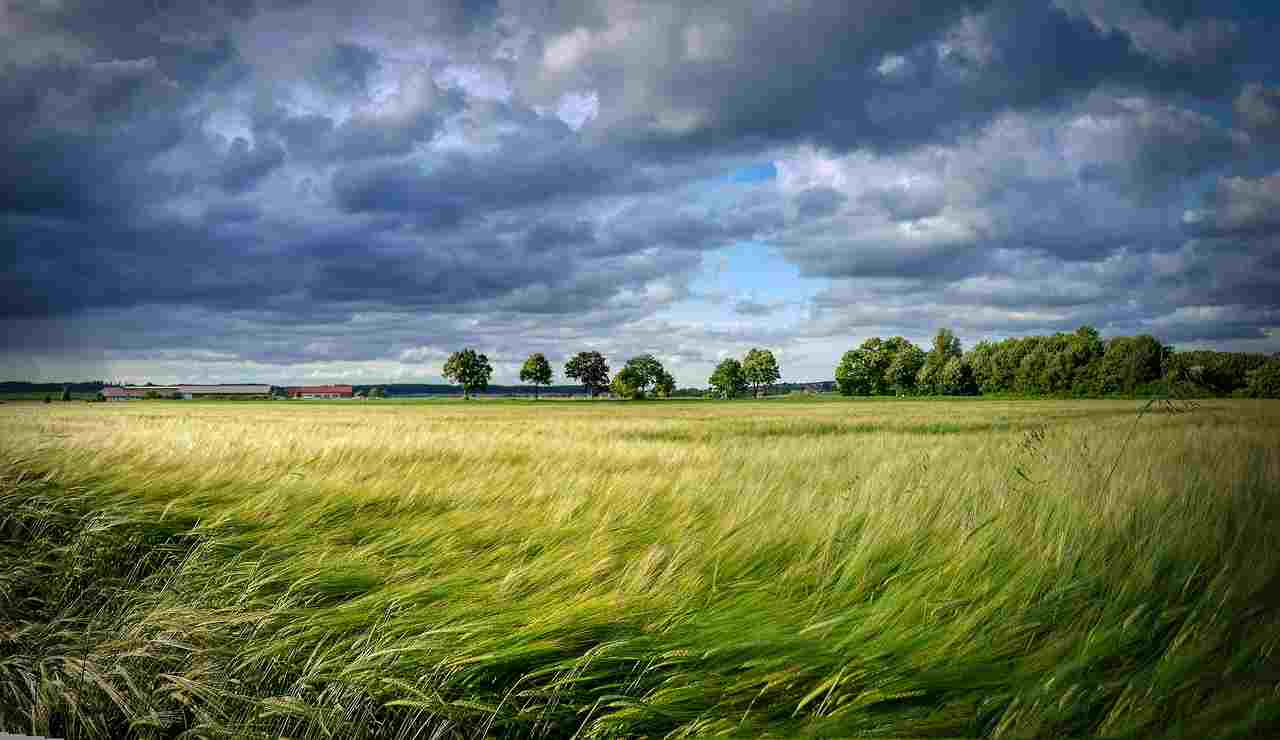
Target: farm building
319 391
225 391
115 393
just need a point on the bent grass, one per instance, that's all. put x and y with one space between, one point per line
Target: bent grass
602 570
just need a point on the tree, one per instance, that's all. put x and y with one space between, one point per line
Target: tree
469 369
628 383
1130 362
946 345
760 369
646 371
589 369
66 393
728 379
377 392
855 375
904 367
536 370
957 378
665 386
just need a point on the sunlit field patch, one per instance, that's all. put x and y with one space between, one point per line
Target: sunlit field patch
902 568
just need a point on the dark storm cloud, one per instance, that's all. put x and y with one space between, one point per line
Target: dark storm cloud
291 183
245 166
1241 206
1258 107
880 75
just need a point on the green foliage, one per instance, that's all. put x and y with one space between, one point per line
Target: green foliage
1130 362
536 370
728 380
644 372
377 392
666 385
1264 381
760 368
626 384
1058 364
855 375
880 367
590 369
66 393
907 359
469 369
931 377
956 378
1216 373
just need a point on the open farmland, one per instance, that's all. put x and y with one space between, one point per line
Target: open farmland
440 569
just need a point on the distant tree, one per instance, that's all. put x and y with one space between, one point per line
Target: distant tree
666 385
66 393
536 370
646 371
728 380
377 392
589 369
760 369
469 369
628 383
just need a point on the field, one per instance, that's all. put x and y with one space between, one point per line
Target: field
449 569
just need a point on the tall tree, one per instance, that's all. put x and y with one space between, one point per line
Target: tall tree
727 380
589 369
469 369
760 368
536 370
946 345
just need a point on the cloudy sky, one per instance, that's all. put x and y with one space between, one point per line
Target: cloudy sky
293 191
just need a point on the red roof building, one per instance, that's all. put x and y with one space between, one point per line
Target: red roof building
319 391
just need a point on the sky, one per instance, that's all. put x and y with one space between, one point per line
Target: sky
288 191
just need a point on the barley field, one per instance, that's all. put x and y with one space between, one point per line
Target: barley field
663 569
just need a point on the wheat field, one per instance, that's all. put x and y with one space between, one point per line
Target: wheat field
662 569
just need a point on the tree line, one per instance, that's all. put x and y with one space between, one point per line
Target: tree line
1079 364
1066 364
640 377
